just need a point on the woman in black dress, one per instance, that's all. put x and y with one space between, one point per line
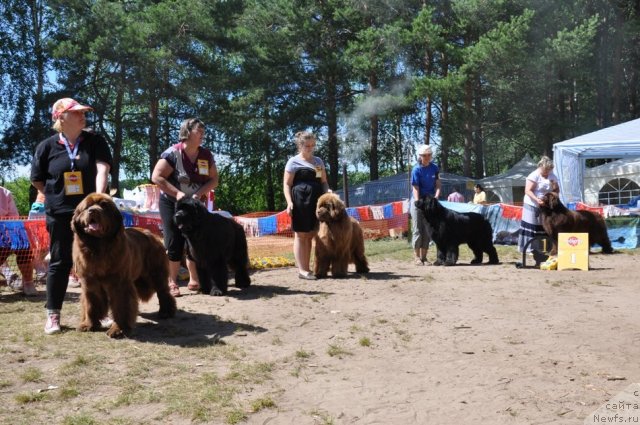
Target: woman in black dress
305 180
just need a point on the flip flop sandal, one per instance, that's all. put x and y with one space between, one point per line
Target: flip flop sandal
193 287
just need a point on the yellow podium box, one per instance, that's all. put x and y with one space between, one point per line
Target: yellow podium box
573 251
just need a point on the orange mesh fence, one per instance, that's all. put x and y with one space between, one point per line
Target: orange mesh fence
269 234
377 221
23 244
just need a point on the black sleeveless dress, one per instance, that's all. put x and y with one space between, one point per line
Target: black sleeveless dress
306 190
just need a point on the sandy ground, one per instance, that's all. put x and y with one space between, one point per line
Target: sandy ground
434 345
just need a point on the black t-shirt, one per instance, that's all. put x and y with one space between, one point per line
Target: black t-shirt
51 161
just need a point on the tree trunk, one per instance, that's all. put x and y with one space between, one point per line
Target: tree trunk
397 145
373 132
602 88
468 127
445 142
478 139
616 62
118 131
268 172
332 127
428 122
38 129
561 123
153 132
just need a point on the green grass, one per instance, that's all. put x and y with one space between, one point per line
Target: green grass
262 403
400 249
31 374
92 374
336 350
302 354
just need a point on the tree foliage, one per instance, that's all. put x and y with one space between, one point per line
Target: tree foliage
484 82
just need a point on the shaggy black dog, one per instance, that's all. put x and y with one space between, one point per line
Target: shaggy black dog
556 218
448 229
214 242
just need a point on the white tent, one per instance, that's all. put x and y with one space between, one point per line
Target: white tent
620 141
509 186
609 174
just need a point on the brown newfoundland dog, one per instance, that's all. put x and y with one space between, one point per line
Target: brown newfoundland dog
340 240
117 267
556 218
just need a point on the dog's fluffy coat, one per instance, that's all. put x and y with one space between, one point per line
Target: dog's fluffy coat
340 239
214 242
116 266
557 218
448 229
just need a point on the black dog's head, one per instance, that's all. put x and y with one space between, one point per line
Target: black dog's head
189 214
429 206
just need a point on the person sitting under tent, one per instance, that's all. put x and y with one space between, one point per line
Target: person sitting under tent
480 196
455 196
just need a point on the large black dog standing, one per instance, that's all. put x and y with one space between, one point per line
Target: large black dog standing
214 242
448 229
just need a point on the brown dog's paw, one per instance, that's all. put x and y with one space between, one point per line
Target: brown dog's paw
115 332
84 327
88 327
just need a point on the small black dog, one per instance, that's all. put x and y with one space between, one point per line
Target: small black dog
448 229
214 242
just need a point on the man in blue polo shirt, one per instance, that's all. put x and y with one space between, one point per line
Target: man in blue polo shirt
425 180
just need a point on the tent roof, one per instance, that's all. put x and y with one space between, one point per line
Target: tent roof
619 141
623 165
612 142
519 172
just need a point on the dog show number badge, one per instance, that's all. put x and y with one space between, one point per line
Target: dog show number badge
203 167
73 183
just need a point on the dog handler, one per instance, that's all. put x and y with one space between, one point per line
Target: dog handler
540 181
425 180
185 169
66 167
305 180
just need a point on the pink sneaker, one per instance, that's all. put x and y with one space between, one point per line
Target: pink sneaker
53 324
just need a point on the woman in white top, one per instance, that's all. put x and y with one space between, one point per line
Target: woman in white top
305 179
540 181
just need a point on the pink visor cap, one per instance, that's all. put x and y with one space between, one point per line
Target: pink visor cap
67 104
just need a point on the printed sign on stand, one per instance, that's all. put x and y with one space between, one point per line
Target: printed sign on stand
573 251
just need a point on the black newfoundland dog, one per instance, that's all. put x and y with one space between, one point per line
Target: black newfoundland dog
214 242
449 229
556 218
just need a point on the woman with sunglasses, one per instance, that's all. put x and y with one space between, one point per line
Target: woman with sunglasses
185 169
